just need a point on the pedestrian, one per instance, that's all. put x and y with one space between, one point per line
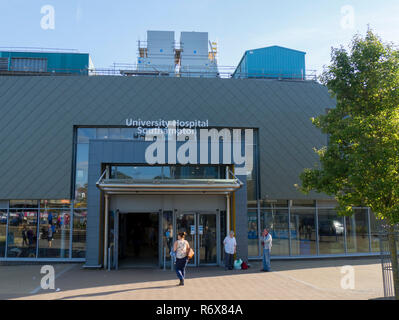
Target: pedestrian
267 247
181 247
24 236
230 247
50 235
169 237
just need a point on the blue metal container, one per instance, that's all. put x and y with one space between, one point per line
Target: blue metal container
55 62
272 62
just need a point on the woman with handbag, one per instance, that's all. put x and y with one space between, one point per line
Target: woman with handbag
182 249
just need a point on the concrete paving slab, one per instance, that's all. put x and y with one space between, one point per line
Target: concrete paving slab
290 280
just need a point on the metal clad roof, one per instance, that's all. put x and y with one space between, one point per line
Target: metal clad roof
37 115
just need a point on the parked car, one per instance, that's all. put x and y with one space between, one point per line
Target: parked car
331 227
3 219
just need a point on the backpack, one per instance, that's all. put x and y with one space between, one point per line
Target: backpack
244 266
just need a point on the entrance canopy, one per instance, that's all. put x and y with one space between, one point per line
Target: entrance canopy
168 186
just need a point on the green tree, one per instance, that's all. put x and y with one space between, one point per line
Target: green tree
360 165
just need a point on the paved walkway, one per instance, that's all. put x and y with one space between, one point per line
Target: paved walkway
299 280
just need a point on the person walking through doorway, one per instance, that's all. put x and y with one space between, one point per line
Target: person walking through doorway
267 247
181 247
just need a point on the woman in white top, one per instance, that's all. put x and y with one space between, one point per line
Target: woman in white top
181 247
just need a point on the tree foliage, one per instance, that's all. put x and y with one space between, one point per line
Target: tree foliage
360 165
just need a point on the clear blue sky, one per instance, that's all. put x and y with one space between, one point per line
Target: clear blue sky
109 30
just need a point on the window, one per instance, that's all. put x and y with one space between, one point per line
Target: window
303 231
253 238
331 232
276 221
29 64
357 231
3 64
22 233
54 233
79 233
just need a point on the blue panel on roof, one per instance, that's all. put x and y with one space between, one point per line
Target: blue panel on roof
272 62
58 62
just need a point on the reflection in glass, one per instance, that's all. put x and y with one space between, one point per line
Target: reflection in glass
253 243
82 171
22 234
303 232
85 134
331 232
102 133
79 234
276 221
3 232
114 133
168 172
192 172
55 204
54 232
127 133
222 232
357 231
15 204
185 222
374 229
138 172
167 234
207 238
252 177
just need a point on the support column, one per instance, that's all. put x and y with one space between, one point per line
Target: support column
106 231
227 214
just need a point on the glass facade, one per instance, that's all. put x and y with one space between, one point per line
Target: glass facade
312 231
54 231
33 229
331 232
79 233
168 172
3 231
22 233
303 231
276 221
253 234
357 235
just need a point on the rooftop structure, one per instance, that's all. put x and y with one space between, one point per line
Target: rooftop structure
273 62
36 61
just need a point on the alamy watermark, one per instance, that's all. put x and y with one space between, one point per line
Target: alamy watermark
180 141
47 22
348 17
348 278
48 280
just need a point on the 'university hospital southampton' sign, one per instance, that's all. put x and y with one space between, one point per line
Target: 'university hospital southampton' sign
178 142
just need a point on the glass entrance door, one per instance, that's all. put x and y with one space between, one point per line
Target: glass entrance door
207 238
186 222
203 233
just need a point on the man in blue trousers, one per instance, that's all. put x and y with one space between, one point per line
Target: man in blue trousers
267 247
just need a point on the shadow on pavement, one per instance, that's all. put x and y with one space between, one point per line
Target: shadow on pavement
79 278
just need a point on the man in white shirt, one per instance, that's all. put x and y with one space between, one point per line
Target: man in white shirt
267 247
230 246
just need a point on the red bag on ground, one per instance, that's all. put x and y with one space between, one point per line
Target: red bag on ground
244 266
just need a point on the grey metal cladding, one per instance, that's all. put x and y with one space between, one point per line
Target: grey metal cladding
37 116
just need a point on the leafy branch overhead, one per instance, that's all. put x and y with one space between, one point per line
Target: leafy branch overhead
360 165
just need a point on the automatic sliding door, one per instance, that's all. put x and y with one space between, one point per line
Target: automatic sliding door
186 222
207 238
